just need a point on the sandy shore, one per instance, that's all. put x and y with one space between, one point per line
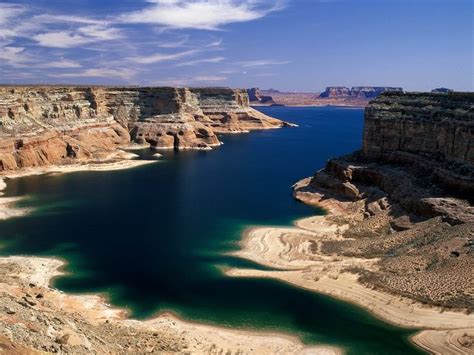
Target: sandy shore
295 252
20 276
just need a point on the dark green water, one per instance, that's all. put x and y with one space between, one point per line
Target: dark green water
153 237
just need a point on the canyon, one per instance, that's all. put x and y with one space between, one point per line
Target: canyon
52 125
397 238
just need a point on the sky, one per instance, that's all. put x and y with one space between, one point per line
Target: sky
289 45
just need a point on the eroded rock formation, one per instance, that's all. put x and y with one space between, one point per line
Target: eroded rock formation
56 125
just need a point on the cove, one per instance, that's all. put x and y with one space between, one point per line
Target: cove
153 238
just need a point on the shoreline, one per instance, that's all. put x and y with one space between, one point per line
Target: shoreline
294 253
20 276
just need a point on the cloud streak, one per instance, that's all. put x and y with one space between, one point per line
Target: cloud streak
262 63
160 57
201 61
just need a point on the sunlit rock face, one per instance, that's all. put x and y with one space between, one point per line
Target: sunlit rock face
43 125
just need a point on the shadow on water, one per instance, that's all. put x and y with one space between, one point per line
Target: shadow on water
154 238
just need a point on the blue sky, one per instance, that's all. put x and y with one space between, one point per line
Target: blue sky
296 45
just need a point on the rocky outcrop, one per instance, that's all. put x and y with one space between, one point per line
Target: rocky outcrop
57 125
412 189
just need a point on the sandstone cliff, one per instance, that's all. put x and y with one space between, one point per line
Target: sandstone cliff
57 125
412 193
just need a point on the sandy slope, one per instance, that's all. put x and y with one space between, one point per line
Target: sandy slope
295 252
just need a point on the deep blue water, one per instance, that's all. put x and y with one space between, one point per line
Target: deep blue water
153 237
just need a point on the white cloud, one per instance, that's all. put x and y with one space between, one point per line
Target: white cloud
201 61
160 57
122 73
201 14
261 63
61 39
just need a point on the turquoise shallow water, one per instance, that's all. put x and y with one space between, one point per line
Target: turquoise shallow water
153 237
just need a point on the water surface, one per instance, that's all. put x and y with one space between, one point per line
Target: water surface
153 237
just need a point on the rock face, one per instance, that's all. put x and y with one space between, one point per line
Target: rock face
357 92
412 187
58 125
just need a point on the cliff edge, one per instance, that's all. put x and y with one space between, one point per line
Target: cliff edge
45 125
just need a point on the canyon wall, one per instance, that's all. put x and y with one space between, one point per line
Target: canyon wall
418 148
57 125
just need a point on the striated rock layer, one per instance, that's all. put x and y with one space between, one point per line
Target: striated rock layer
412 185
58 125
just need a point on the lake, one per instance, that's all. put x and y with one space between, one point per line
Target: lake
153 238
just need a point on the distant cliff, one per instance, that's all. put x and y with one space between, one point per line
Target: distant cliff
357 92
256 97
56 125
